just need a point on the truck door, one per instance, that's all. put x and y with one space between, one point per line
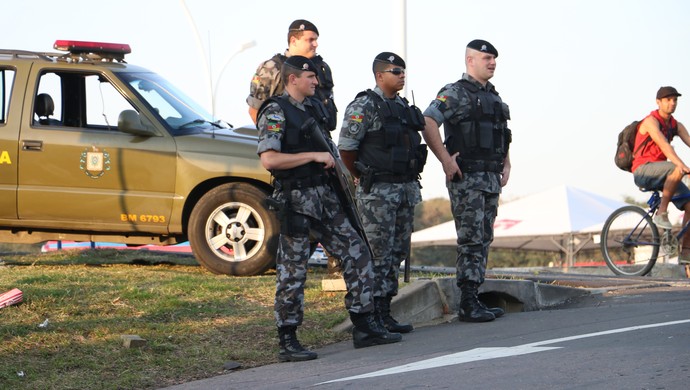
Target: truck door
78 169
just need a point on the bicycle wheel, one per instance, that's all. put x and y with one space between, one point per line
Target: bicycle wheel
630 241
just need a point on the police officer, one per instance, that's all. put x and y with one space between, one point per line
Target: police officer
309 205
302 40
476 164
381 146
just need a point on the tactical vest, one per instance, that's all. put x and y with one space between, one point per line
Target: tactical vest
324 91
297 140
483 138
395 148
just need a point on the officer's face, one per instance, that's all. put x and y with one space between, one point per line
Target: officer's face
393 78
481 65
306 83
306 44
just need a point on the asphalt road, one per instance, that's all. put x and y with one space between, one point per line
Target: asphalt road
625 339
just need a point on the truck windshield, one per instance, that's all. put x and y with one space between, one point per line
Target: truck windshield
177 110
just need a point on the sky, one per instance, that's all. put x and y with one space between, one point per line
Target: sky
574 73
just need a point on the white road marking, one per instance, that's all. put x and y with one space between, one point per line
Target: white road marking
494 353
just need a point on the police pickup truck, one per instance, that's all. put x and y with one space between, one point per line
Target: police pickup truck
95 149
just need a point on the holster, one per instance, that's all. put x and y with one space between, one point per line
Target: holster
366 178
282 209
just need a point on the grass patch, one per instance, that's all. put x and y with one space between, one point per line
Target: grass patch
193 321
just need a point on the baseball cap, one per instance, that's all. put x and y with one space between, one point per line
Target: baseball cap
666 92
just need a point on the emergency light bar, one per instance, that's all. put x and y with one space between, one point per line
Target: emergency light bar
103 49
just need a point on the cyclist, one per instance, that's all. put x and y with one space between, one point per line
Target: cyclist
656 164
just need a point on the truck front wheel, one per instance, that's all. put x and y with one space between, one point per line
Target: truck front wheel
232 232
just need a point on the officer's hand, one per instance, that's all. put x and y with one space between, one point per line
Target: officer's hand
451 168
505 175
324 158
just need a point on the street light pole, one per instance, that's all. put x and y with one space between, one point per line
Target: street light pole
243 47
207 65
207 58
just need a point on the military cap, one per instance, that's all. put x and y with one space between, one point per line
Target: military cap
483 46
388 58
303 25
666 92
301 63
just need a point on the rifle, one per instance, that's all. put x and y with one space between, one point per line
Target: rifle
343 184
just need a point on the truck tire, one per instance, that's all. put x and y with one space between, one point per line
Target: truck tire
232 232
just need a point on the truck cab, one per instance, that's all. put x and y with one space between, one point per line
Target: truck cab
95 149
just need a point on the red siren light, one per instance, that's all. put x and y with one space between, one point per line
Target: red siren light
106 49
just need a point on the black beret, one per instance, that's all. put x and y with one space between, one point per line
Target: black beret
389 58
483 46
666 92
301 63
303 25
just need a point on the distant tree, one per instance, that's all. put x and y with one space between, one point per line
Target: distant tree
432 212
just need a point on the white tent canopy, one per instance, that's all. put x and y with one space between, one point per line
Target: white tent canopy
563 219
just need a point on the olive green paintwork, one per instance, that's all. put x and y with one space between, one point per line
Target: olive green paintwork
145 186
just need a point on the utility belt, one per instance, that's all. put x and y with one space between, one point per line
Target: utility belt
288 184
392 178
368 177
469 166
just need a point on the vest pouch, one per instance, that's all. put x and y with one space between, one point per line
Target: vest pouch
487 105
399 160
332 122
415 118
499 141
422 153
498 110
486 135
391 131
468 133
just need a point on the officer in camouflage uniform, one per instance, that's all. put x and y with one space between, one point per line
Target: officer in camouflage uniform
302 40
308 204
477 165
381 145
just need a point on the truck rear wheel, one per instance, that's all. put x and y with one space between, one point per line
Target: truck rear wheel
232 232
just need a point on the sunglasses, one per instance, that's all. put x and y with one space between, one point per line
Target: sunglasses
396 71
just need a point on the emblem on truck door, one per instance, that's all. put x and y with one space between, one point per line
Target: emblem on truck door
94 163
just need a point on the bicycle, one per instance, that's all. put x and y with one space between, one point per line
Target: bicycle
630 241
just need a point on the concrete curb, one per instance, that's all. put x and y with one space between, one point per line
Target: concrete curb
431 301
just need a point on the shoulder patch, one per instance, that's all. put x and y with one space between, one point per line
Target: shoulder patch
275 117
274 126
356 117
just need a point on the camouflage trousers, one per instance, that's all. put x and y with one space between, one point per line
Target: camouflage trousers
388 219
474 212
341 240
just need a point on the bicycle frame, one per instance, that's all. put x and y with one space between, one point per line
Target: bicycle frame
655 200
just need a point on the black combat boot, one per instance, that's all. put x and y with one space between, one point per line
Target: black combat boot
367 332
471 309
383 309
290 348
496 311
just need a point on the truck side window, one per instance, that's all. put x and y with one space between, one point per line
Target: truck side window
86 100
48 102
6 82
